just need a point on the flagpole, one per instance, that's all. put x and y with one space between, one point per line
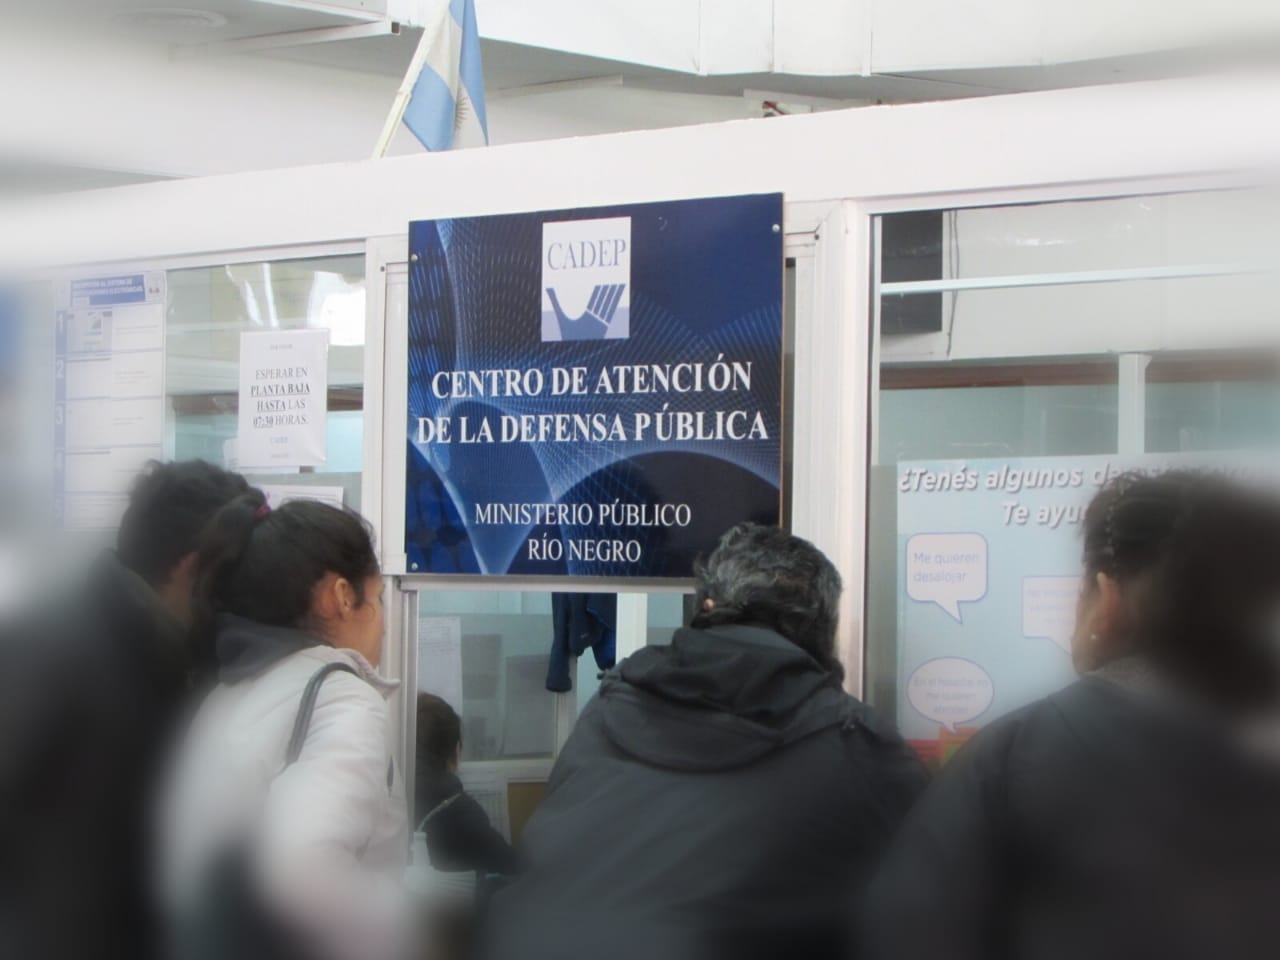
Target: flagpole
405 93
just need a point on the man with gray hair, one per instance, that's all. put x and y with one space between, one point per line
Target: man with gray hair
722 796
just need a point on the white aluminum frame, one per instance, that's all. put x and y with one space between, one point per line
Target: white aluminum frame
1131 397
1131 367
1066 278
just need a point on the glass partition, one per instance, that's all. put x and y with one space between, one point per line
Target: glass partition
1027 353
1005 414
210 307
488 654
667 613
505 661
1212 403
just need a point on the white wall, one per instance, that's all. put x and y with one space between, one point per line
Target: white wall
79 101
851 37
1151 130
69 100
593 110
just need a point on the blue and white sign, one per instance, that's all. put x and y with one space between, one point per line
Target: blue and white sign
586 280
131 288
593 392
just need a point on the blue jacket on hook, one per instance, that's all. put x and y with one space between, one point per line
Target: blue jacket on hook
581 621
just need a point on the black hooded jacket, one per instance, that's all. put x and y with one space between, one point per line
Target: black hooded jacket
1098 823
721 797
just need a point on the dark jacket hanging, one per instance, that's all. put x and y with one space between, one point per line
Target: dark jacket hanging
581 622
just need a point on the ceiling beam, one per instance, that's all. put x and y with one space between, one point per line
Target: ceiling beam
556 86
294 38
329 8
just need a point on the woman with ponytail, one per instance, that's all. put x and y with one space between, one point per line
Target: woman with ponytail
1133 814
286 833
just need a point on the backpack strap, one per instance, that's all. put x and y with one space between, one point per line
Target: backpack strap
302 721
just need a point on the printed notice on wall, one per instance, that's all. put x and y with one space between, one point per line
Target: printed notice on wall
109 406
278 494
989 576
284 397
529 721
440 659
593 392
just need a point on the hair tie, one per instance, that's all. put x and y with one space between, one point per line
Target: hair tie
262 511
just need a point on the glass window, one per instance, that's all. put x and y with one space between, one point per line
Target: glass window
1230 403
667 613
992 417
998 413
210 307
997 420
488 654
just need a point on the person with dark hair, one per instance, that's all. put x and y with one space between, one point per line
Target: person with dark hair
721 797
466 858
1132 814
286 774
92 689
459 835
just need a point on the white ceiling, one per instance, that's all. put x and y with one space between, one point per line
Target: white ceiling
166 20
510 66
352 92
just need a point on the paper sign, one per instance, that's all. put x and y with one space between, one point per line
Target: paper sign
137 374
138 329
231 461
284 383
109 397
529 722
278 494
89 379
440 659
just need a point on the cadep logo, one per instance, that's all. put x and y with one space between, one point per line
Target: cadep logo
586 280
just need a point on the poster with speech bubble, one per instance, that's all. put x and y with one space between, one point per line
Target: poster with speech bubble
947 569
989 580
950 691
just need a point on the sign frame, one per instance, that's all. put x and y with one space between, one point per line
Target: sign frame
607 577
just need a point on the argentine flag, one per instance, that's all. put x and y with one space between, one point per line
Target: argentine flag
446 107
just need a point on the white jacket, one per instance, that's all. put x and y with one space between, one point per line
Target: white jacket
329 833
